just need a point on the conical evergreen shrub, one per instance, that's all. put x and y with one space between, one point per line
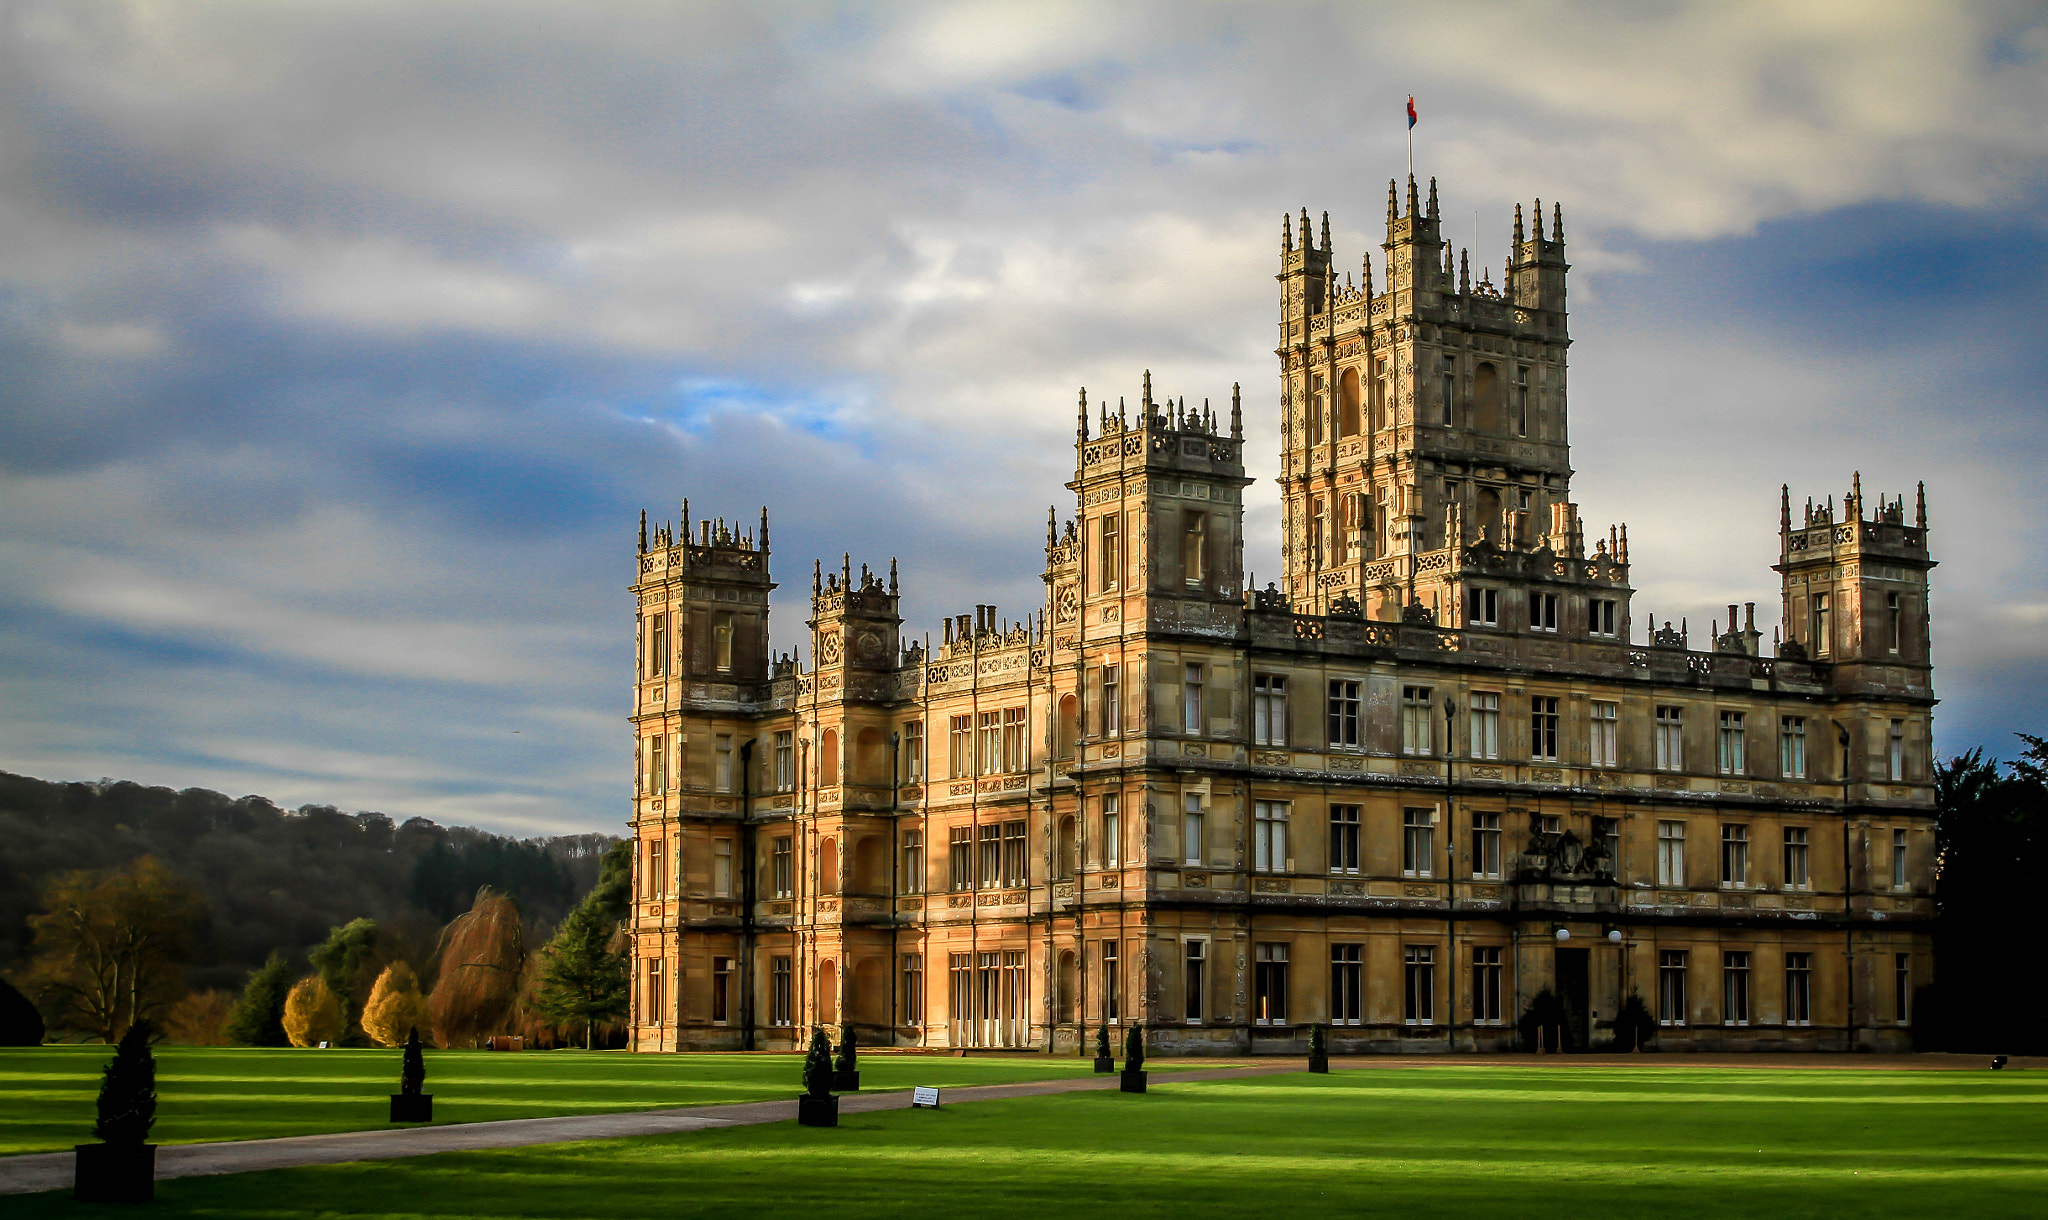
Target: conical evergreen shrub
127 1103
818 1064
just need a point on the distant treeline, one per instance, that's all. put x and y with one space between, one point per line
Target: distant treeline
274 879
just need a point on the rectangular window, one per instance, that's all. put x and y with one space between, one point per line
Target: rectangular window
960 747
1112 711
1269 836
657 868
1795 858
1016 871
913 752
1418 1005
1600 617
1792 747
1482 607
1898 859
960 987
1543 612
1347 984
1112 832
1671 853
1799 989
1112 550
1671 987
1269 710
1447 397
721 639
1897 754
1344 706
1902 988
1112 984
913 989
1486 846
990 874
1543 728
657 765
960 858
1605 735
1014 725
1194 542
1735 989
1521 401
1418 842
785 761
1417 729
1191 830
912 879
1734 856
1344 838
721 868
1670 739
1820 625
1193 979
657 645
1191 699
1485 724
1269 985
780 993
1486 972
782 865
721 762
1730 755
721 990
989 742
1892 622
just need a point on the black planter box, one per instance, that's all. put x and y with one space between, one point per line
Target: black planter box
845 1082
114 1173
1318 1063
1105 1064
412 1107
817 1111
1132 1082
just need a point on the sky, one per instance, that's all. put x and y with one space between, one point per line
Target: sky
341 345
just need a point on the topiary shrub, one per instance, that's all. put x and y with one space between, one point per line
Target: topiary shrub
846 1070
413 1075
127 1104
1543 1026
818 1065
1318 1049
1134 1049
1633 1025
21 1023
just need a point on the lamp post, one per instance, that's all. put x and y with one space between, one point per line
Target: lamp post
1451 865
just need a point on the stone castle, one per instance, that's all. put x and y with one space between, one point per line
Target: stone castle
1437 772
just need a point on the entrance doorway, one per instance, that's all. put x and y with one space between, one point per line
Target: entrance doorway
1574 987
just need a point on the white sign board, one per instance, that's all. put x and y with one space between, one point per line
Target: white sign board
921 1096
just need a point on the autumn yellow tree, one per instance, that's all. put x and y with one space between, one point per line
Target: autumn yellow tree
312 1013
482 958
110 947
395 1005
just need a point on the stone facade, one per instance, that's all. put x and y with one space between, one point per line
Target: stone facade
1438 769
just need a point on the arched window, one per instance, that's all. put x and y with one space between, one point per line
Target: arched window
1067 980
828 758
1067 728
828 866
828 991
1314 423
1347 404
1064 856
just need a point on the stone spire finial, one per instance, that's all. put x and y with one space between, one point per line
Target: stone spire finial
764 526
1147 400
1538 218
1393 207
643 531
1414 208
1052 534
817 577
1307 242
1920 507
1081 417
1854 508
892 576
1326 232
1784 507
1432 199
1557 222
1286 233
1515 249
1464 271
1237 424
1366 276
846 569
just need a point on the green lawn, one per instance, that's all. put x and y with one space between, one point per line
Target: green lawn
1412 1142
47 1092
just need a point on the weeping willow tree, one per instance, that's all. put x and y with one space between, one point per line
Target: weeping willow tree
482 960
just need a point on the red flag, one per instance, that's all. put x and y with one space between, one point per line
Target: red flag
1411 110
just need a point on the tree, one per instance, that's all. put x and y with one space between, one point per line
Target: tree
481 954
312 1013
200 1019
395 1005
20 1023
583 975
352 958
259 1015
1991 847
127 1102
111 946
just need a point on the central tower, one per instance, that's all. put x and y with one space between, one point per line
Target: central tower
1422 420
